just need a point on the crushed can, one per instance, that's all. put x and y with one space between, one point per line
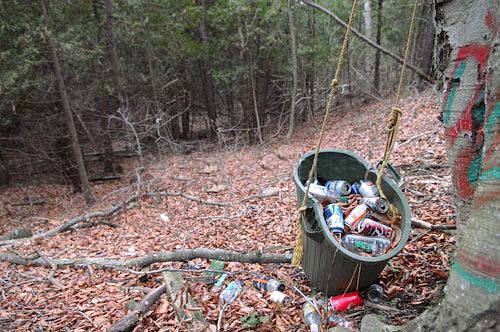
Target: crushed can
341 187
374 228
268 284
369 244
334 218
376 204
365 189
279 298
356 215
346 301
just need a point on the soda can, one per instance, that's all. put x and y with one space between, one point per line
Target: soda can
267 284
334 218
279 298
319 192
373 228
340 187
356 216
376 204
365 189
346 301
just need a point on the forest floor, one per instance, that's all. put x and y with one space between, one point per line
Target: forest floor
94 299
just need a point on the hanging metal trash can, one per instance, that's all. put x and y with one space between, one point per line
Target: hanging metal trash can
330 267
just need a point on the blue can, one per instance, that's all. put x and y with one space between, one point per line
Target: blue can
340 187
334 218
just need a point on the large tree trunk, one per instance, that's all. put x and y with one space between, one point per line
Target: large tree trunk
77 152
468 65
376 74
294 68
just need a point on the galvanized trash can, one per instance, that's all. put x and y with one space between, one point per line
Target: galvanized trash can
330 267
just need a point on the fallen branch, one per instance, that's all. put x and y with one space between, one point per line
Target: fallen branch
183 255
414 138
128 322
73 222
368 41
427 225
381 307
105 178
193 198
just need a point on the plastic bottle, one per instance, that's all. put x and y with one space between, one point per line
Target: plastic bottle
231 293
337 320
268 284
370 244
311 317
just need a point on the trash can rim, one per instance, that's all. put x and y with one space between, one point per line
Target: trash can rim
322 223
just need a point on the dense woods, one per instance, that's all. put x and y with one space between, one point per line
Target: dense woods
128 77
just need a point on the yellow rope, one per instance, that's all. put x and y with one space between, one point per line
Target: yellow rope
299 245
395 116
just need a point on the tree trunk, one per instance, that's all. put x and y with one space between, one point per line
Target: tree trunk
426 45
367 15
310 72
208 88
77 152
468 65
294 68
376 74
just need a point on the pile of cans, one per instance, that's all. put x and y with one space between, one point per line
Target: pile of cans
356 215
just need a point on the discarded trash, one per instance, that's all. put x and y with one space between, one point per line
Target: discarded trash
209 276
376 204
323 194
340 187
346 301
268 284
334 218
356 216
279 298
365 189
372 245
375 293
164 217
374 228
231 293
337 320
311 317
219 283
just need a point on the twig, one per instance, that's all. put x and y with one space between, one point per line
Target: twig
193 198
409 140
130 321
381 307
221 314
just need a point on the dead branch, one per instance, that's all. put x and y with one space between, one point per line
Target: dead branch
182 255
427 225
381 307
74 221
128 322
409 140
193 198
105 178
368 41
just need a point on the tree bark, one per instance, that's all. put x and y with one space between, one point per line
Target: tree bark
70 121
376 75
467 66
294 68
367 15
368 41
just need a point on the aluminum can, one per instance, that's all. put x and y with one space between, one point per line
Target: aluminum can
373 228
318 191
268 284
341 187
279 298
334 218
346 301
365 189
376 204
356 215
375 293
369 244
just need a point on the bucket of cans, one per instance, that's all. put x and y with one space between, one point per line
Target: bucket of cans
356 215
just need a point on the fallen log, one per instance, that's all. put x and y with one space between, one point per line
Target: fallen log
73 222
182 255
128 322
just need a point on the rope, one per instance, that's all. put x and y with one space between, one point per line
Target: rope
299 245
395 115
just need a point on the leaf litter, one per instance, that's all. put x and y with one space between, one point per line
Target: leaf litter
94 299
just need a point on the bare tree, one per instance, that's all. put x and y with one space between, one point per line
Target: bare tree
77 152
294 68
376 74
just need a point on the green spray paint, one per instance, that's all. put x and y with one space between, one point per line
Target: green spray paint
453 91
474 167
491 174
488 284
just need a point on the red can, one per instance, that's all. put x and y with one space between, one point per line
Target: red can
346 301
372 228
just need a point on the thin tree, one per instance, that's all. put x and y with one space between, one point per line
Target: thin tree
75 146
376 74
294 68
367 15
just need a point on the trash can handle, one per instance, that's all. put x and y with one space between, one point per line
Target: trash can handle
393 174
315 235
